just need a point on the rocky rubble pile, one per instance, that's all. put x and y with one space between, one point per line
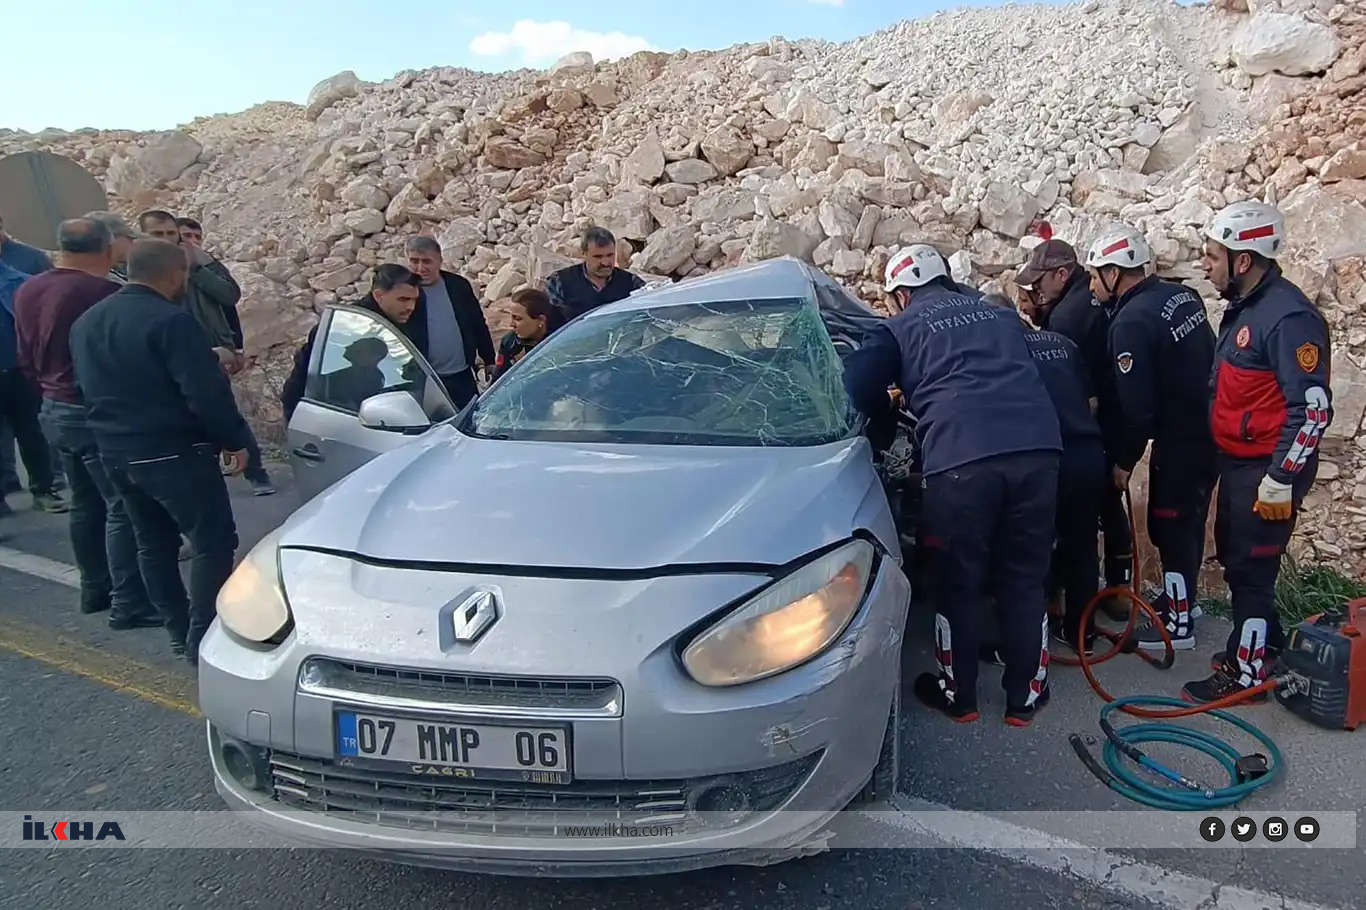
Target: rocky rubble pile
969 129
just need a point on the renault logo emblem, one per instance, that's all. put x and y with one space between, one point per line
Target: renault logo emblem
475 615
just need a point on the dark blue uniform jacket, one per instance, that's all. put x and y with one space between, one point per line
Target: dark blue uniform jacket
968 378
1064 376
1162 348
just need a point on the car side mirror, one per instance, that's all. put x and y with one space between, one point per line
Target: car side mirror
397 412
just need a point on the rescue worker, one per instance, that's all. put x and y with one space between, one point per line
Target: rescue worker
1271 405
1082 478
1162 346
990 444
1056 296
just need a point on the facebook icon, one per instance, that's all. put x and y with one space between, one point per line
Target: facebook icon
1212 829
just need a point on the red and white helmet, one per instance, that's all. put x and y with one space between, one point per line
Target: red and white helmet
913 267
1120 246
1254 227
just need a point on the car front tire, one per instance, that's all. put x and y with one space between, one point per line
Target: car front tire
882 784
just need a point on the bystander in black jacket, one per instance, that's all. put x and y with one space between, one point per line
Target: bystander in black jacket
573 293
415 330
151 383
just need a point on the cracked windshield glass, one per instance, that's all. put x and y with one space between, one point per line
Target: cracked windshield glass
740 373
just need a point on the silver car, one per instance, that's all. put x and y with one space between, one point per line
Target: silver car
638 608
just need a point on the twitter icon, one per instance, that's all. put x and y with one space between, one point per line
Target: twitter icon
1243 829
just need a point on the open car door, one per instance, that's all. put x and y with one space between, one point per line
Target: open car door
368 391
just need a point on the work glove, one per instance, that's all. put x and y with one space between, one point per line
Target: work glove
1275 501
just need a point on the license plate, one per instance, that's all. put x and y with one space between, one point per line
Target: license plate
450 748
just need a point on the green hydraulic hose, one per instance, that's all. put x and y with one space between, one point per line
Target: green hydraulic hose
1132 779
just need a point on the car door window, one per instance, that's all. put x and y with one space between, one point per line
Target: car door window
362 356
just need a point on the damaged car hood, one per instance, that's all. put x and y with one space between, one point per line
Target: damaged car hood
454 499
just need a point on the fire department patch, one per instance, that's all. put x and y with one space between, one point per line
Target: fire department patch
1125 362
1307 355
1244 337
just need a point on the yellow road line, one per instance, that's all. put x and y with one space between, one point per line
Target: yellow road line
151 684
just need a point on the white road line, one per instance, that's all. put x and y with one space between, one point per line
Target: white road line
40 567
1112 872
1108 871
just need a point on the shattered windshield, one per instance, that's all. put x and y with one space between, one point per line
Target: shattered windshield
733 373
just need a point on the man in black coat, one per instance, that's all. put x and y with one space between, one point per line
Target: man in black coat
576 289
1057 296
395 293
453 319
161 409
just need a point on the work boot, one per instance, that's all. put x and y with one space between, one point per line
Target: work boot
1023 717
1148 637
92 603
51 503
932 691
1222 684
1066 636
1220 659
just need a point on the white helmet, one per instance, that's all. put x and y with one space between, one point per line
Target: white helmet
914 267
1254 227
1120 246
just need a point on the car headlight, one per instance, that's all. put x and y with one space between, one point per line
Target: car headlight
787 623
252 604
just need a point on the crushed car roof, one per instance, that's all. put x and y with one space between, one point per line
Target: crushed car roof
846 317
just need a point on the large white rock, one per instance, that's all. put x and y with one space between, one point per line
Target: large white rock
691 171
460 239
724 205
667 250
364 222
162 158
1280 43
573 62
1007 209
646 163
1321 228
772 239
328 92
627 215
727 149
364 192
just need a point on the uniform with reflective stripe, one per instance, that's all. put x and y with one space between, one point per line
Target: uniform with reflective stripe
1270 405
1271 398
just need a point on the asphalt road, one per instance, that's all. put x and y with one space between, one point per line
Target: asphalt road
92 719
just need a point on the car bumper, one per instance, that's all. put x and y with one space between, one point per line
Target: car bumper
806 740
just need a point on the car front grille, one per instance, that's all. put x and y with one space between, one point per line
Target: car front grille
341 679
520 810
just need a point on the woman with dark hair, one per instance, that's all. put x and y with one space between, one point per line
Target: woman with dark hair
533 318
